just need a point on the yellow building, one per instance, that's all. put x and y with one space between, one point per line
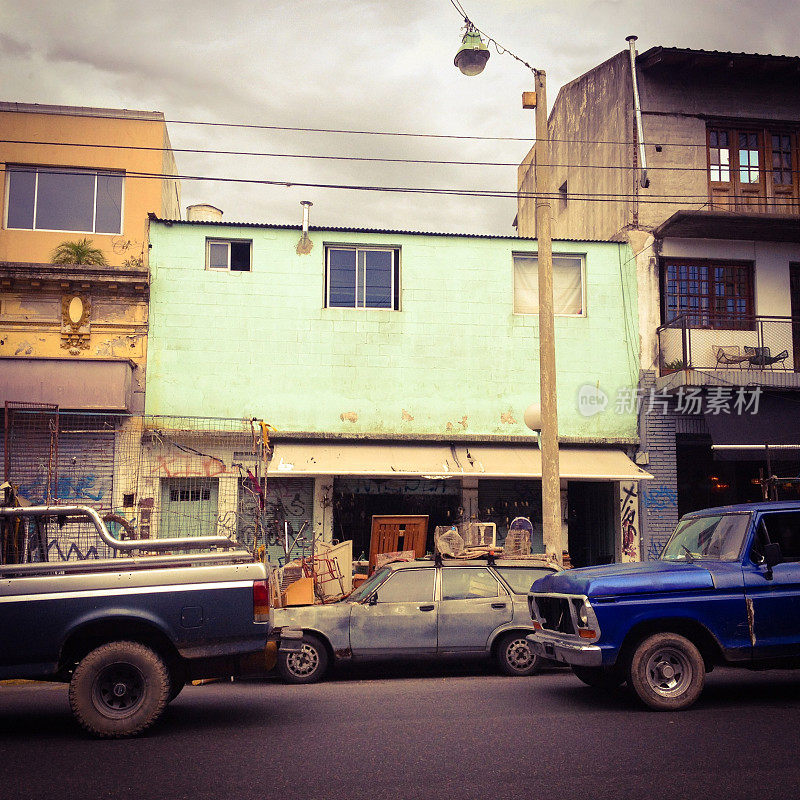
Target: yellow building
76 335
73 337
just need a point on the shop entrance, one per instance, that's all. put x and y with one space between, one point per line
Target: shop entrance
357 500
706 482
591 522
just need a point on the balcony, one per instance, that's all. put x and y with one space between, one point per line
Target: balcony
700 349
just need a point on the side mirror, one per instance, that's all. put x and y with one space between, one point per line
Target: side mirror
373 599
772 555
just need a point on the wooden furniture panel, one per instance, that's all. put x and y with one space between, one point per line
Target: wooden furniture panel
397 532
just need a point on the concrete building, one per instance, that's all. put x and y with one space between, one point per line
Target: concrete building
394 368
73 337
701 179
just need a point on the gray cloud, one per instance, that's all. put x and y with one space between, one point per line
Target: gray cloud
370 65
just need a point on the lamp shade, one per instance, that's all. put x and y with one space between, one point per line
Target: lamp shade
533 417
473 54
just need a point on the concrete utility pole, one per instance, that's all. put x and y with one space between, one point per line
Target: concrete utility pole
551 481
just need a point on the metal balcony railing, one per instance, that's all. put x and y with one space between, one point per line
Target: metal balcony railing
701 340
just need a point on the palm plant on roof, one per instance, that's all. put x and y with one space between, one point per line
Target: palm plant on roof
83 252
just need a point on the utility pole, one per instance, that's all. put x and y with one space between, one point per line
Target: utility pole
551 481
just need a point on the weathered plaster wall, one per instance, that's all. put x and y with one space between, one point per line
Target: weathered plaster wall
455 360
590 122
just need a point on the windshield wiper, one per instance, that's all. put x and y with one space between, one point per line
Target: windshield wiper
688 552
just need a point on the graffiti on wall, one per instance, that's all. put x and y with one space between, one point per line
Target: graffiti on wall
189 466
659 498
629 510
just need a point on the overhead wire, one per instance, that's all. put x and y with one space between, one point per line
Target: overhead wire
605 197
376 159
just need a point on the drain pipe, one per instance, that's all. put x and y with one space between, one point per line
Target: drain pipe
645 181
305 244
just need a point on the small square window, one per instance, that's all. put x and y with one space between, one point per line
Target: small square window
230 254
568 291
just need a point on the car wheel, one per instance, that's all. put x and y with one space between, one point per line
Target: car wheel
599 678
119 689
667 672
306 665
514 655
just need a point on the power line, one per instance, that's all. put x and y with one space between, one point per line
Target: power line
449 191
368 159
411 134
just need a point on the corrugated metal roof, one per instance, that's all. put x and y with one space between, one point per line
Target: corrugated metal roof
726 53
667 57
333 228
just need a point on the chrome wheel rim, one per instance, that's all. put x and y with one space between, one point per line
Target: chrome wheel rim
118 690
669 672
519 655
304 662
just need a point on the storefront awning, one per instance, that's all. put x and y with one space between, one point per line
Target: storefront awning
439 461
744 436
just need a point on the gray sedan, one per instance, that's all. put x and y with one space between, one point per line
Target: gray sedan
416 609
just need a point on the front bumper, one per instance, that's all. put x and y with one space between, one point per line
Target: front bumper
557 649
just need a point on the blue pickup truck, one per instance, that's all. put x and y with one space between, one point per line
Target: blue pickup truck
125 632
726 590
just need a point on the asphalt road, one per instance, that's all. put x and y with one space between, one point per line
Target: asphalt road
417 732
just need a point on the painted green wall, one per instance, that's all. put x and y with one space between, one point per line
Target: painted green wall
454 360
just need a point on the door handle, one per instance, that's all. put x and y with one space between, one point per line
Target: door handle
426 608
498 605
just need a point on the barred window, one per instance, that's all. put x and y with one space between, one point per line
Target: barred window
711 294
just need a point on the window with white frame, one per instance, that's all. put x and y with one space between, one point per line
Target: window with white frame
64 199
229 254
569 296
362 277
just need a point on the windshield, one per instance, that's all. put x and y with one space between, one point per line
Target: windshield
368 586
719 537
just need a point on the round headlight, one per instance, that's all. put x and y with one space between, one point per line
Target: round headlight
583 615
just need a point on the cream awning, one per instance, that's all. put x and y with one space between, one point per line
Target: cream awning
392 460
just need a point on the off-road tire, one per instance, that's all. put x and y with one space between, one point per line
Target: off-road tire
667 672
514 655
177 680
119 689
307 665
599 678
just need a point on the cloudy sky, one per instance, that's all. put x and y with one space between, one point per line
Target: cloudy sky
362 65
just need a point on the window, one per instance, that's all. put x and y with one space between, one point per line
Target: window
712 294
781 160
360 277
753 169
463 583
64 199
784 529
568 294
719 156
188 507
563 196
748 157
408 586
521 578
229 254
